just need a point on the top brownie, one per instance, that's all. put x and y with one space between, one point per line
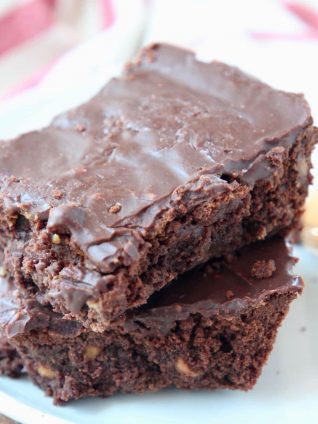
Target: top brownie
172 163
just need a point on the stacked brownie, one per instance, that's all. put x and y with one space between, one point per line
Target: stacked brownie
142 232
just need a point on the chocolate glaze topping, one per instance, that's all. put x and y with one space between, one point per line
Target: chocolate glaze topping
214 288
223 288
170 128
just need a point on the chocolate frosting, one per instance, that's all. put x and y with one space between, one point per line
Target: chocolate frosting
171 131
225 288
212 289
20 314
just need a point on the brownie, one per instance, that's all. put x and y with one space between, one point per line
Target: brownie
211 329
10 361
175 162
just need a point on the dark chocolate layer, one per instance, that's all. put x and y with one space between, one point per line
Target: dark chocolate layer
223 288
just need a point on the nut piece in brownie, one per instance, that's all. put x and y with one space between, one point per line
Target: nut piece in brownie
175 162
212 328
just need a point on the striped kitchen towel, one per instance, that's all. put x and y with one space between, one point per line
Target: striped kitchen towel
34 34
65 58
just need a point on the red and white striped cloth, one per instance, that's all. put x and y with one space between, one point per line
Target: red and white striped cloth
55 54
34 34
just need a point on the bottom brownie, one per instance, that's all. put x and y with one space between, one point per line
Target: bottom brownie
212 328
10 361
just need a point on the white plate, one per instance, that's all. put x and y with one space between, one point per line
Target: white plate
286 392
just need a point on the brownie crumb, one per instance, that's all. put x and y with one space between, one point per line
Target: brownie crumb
263 269
276 155
178 308
261 233
229 294
115 208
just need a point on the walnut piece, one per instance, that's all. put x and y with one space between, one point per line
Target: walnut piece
115 208
261 233
46 372
91 352
56 239
183 368
3 271
93 304
28 215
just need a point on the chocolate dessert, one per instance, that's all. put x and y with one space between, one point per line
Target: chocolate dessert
212 328
173 163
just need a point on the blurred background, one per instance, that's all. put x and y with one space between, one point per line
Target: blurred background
55 54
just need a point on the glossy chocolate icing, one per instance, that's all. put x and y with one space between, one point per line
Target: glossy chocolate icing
226 288
212 289
163 135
